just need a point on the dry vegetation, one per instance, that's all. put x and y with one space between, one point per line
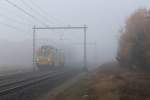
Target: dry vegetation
110 83
134 43
121 84
76 92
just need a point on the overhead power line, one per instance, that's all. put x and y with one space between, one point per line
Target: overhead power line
35 11
24 11
12 27
16 15
45 13
31 5
14 20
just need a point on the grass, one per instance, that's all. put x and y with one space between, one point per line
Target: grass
110 84
78 91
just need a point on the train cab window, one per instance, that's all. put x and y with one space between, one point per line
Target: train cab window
44 52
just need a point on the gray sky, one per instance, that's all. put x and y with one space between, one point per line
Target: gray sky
103 17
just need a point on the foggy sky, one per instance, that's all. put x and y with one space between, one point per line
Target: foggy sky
103 17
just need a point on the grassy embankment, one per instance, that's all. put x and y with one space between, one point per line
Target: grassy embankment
110 83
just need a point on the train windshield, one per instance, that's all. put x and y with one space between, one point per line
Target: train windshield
44 53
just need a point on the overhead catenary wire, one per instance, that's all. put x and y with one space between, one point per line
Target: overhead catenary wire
41 13
14 20
45 13
16 17
25 12
35 11
12 27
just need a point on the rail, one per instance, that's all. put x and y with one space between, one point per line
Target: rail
8 87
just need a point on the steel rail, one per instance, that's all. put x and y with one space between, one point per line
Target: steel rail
7 88
9 82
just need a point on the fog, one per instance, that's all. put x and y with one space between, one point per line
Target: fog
104 19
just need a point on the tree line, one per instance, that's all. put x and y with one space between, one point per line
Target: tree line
134 42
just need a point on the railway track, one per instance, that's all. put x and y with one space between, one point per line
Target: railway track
12 85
